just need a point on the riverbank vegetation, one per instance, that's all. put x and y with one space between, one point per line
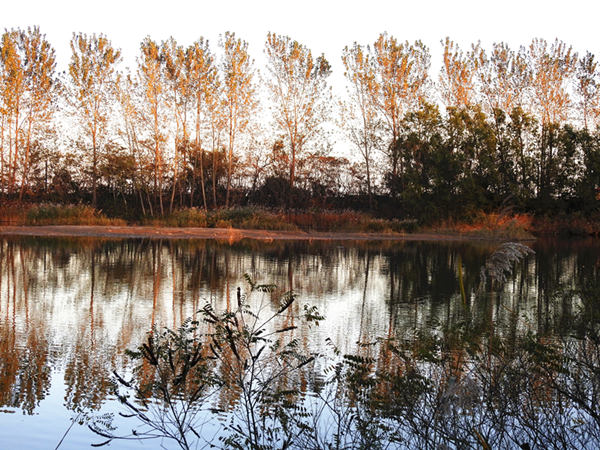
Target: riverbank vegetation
190 133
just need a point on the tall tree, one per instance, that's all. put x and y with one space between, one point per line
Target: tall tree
502 80
152 84
27 63
359 112
588 89
203 78
92 71
456 76
128 99
13 98
300 95
179 95
42 89
401 71
552 67
239 95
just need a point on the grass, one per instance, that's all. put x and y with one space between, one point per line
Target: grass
349 221
245 218
54 214
264 219
12 213
491 226
483 225
249 217
568 225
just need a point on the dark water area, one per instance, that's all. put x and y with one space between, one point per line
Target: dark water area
69 308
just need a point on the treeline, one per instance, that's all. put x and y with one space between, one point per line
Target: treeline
194 127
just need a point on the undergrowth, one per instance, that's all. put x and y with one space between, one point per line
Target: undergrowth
264 219
54 214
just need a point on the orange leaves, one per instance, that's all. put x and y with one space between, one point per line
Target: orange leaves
456 77
300 93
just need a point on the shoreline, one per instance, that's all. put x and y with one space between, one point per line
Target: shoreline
232 234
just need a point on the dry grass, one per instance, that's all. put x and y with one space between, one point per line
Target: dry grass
491 226
263 219
571 225
53 214
348 221
12 213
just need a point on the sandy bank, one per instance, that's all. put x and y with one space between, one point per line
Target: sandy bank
212 233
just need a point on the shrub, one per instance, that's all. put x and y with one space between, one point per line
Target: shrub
189 217
221 223
252 358
54 214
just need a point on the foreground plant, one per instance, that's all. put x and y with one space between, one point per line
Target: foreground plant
234 364
239 379
169 389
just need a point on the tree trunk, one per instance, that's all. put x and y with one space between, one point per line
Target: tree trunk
229 165
198 147
94 162
292 175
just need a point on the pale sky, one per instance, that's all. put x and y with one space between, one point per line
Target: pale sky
324 26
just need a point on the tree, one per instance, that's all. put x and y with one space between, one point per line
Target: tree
179 95
456 77
127 90
588 89
239 95
503 77
401 71
13 84
359 112
40 63
203 78
551 69
92 71
300 95
152 84
502 81
28 88
551 66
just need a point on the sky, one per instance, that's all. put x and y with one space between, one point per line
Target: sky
324 26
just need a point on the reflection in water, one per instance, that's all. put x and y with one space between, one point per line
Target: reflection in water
70 308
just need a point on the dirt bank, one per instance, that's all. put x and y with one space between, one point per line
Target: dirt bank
213 233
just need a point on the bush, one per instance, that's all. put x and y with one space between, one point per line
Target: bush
491 226
190 217
249 359
349 221
54 214
221 223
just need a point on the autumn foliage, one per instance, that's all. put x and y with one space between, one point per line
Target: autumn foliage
193 126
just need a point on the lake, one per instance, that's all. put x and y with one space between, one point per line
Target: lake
69 308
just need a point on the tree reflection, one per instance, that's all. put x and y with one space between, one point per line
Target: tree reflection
70 308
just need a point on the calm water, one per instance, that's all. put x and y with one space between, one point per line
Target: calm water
70 308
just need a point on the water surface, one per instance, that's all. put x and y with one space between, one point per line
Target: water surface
70 307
